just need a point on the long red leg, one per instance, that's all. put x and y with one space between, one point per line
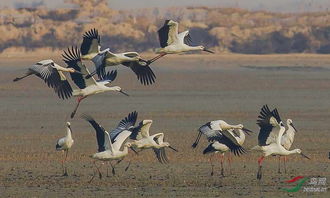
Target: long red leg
156 58
221 161
279 164
76 108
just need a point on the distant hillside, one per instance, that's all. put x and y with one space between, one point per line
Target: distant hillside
223 29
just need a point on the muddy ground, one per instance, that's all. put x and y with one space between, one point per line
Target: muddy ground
190 91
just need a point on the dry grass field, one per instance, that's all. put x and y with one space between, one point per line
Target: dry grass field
190 90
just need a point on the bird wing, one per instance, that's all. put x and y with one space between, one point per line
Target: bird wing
267 121
184 37
120 139
230 134
53 78
168 33
210 133
161 155
141 131
100 133
125 124
159 138
73 60
101 61
234 148
143 71
91 42
109 76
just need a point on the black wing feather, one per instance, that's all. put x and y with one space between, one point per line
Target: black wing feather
125 124
88 38
99 130
163 34
143 72
73 60
264 123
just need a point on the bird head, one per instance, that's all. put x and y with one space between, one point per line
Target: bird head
240 126
119 89
289 122
202 48
298 151
68 124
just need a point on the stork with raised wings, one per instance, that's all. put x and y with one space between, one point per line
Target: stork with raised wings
173 42
90 50
52 74
223 137
270 137
143 140
87 87
287 141
115 148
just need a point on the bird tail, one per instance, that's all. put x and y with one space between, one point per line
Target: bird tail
76 92
58 147
208 149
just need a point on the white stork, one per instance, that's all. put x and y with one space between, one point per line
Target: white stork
87 87
223 137
143 140
115 148
90 50
53 76
215 128
287 141
270 136
64 144
173 42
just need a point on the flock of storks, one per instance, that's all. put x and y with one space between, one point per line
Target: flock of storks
273 139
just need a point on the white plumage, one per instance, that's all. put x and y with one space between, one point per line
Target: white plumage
64 144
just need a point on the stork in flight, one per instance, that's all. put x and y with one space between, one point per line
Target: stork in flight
223 137
64 144
143 140
270 137
173 42
90 50
90 86
115 148
52 74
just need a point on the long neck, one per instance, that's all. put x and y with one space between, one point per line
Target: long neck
68 132
280 134
294 151
193 48
241 137
63 69
225 126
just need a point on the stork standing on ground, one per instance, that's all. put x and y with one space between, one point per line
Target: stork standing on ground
171 42
287 141
223 137
64 144
115 148
87 87
90 49
270 136
143 140
53 76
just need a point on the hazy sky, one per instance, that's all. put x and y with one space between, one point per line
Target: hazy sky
272 5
